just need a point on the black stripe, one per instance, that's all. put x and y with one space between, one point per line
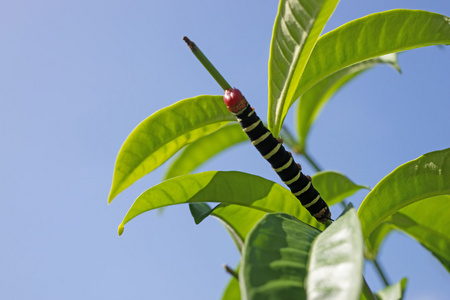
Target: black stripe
248 119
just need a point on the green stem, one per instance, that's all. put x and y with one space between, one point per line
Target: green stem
231 271
366 291
290 140
380 271
312 162
207 64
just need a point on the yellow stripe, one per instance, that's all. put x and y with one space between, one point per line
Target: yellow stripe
285 166
261 138
251 127
271 153
293 179
312 202
251 113
303 190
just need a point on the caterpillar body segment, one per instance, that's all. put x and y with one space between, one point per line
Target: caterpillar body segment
273 151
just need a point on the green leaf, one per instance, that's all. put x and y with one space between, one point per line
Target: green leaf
200 211
239 220
365 38
226 187
275 257
297 27
162 134
313 100
204 148
422 178
392 292
335 187
428 221
336 261
232 291
373 242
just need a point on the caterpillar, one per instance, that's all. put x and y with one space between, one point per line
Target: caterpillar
273 151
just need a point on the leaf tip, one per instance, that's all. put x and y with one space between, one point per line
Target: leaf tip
111 196
120 229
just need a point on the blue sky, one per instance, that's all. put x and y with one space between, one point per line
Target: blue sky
77 76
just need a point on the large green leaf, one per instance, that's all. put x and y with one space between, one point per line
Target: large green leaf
365 38
336 260
226 187
313 100
422 178
162 134
239 220
334 187
297 27
275 257
204 148
428 221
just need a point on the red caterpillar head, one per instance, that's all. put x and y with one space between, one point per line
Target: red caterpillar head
234 100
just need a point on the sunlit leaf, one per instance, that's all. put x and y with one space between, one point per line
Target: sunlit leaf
297 26
199 151
275 258
313 100
336 260
225 187
232 291
239 220
428 221
334 187
419 179
162 134
365 38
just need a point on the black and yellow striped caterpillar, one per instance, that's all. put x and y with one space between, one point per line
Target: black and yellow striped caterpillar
273 151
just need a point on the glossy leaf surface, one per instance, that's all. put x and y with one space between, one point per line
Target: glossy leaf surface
297 27
199 151
275 257
241 189
313 100
362 39
422 178
336 262
334 187
162 134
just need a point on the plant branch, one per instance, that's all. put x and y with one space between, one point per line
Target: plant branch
381 272
231 271
312 162
207 64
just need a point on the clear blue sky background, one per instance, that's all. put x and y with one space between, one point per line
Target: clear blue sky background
77 76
